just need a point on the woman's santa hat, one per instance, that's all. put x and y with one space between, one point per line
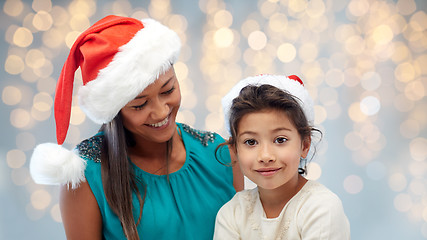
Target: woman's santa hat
118 57
291 84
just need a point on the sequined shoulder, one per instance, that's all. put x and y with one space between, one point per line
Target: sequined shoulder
90 148
203 136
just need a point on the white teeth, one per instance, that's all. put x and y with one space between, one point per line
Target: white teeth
159 124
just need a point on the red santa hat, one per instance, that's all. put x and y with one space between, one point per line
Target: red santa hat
118 57
291 84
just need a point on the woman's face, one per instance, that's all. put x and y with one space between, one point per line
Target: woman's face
151 115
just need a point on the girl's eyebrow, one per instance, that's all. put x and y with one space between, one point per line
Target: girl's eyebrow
166 83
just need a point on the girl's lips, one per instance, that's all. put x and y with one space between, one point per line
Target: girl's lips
268 171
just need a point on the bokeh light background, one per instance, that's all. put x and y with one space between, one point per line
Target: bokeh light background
363 61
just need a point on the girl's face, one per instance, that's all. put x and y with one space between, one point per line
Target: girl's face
269 148
151 115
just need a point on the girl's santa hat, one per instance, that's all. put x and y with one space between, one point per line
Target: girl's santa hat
291 84
118 57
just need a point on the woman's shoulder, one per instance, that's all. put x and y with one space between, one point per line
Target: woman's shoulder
205 138
90 148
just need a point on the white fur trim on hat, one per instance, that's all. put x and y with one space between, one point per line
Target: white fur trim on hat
281 82
52 164
136 65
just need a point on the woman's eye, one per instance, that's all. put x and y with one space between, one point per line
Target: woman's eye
280 140
139 107
169 91
250 142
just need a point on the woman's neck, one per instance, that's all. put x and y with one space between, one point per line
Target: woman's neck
151 156
274 200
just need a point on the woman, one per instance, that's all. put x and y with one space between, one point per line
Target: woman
142 175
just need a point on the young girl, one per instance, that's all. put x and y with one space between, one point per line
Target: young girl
270 122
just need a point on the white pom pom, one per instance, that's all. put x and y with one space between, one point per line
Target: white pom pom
52 164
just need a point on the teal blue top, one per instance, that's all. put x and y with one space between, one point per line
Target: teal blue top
184 207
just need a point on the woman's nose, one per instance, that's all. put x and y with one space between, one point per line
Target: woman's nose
160 109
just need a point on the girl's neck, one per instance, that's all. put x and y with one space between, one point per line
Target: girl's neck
274 200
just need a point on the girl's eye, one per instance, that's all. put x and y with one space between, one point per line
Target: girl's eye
169 91
139 107
250 142
280 140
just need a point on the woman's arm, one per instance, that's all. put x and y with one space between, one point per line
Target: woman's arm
80 213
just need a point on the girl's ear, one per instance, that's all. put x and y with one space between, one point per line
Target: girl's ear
306 143
232 145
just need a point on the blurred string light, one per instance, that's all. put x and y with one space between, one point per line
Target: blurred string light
357 69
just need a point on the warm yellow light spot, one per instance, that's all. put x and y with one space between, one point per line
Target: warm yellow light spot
42 5
79 22
11 95
353 184
314 171
406 7
15 158
42 102
382 34
404 72
22 37
181 70
40 199
418 149
278 22
358 7
83 7
286 52
401 52
418 21
415 91
20 176
297 5
308 52
320 114
53 38
268 8
334 78
35 58
355 45
223 37
42 21
249 26
20 118
71 37
257 40
223 18
77 116
355 113
315 8
13 7
410 128
55 213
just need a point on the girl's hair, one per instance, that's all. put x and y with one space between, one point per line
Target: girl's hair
266 97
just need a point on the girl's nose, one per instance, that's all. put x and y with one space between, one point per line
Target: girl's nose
265 155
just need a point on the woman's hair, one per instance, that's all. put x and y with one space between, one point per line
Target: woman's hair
117 175
266 97
118 178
